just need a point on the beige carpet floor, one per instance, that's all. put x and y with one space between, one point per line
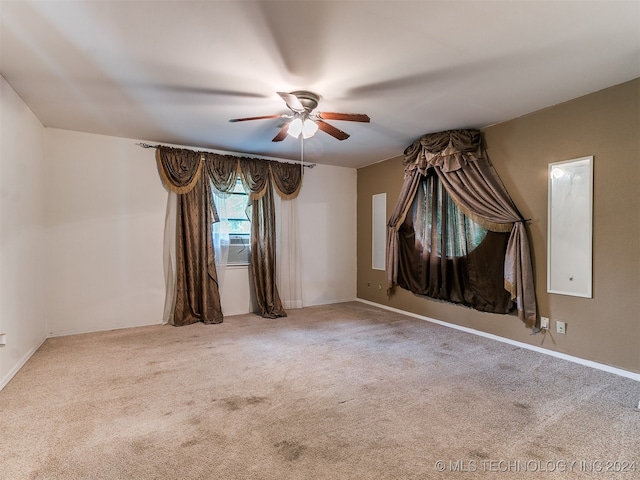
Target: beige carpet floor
343 391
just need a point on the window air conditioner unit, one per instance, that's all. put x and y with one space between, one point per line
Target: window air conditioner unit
239 250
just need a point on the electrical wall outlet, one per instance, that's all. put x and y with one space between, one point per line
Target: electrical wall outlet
544 323
561 327
3 339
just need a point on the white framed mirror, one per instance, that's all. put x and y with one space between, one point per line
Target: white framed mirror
379 233
570 224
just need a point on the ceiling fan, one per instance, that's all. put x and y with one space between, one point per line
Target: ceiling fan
304 121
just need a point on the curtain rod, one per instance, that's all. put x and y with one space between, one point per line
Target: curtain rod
233 154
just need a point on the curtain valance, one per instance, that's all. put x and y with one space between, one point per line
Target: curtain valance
222 170
255 176
287 179
449 151
180 169
459 159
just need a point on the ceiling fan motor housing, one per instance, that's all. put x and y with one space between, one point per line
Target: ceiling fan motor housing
309 100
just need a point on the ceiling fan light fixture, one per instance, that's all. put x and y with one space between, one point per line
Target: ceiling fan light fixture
309 128
295 127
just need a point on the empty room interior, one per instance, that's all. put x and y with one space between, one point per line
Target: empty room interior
319 239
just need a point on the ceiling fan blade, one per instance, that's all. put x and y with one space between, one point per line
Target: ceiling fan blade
263 117
350 117
282 134
292 102
196 90
331 130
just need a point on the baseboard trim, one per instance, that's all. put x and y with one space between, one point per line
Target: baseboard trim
101 329
25 358
589 363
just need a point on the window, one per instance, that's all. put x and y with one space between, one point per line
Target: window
233 231
445 231
444 254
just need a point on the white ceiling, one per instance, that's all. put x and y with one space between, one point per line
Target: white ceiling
176 71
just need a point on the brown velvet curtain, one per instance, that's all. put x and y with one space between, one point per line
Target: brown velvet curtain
444 255
255 177
461 163
287 180
263 256
197 296
192 175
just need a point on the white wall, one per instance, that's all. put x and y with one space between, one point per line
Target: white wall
327 216
105 217
235 294
22 232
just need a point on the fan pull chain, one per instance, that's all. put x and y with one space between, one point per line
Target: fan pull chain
301 154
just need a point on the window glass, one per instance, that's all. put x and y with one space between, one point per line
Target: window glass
232 234
237 219
445 229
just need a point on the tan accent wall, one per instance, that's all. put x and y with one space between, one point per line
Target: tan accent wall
605 124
